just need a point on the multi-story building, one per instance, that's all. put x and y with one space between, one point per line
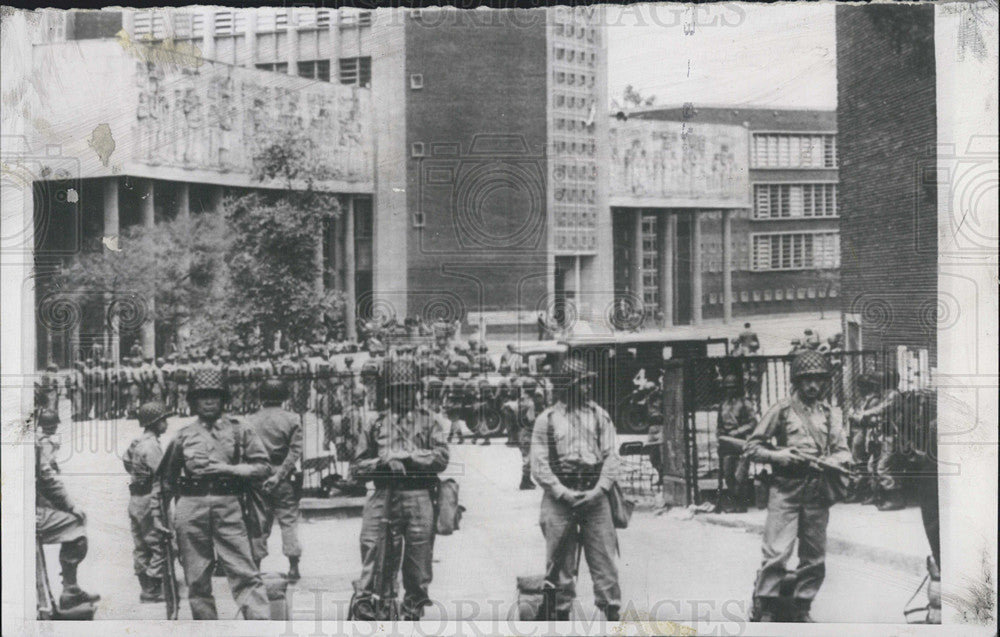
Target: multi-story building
785 245
479 170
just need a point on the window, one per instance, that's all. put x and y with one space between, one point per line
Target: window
790 201
356 71
794 150
149 25
416 81
280 67
315 70
356 18
796 251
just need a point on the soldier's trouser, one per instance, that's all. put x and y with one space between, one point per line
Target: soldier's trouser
882 465
600 547
797 508
412 516
170 396
209 527
524 443
147 554
76 397
53 526
182 395
284 507
729 464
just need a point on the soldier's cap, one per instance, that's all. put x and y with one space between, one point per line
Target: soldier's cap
52 367
575 371
48 418
205 382
159 361
746 325
810 363
401 372
171 357
152 412
78 364
148 359
273 390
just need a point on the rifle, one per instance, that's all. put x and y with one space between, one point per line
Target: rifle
171 593
816 464
384 606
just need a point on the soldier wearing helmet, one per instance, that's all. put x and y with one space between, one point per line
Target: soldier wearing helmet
799 502
877 422
737 419
530 403
345 441
207 466
574 458
402 452
75 389
141 460
280 432
182 379
57 519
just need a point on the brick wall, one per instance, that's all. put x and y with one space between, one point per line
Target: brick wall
886 135
482 104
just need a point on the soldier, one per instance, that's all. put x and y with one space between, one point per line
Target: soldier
182 380
233 374
76 383
48 388
258 372
511 358
281 434
574 458
747 341
159 386
57 519
484 363
480 398
737 418
880 417
169 383
111 397
802 425
454 401
206 467
402 452
862 436
141 460
95 386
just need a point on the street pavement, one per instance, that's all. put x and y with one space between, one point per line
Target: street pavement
671 568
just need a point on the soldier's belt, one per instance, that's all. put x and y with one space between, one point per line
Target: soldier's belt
209 486
142 487
579 477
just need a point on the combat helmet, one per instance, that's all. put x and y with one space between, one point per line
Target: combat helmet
810 363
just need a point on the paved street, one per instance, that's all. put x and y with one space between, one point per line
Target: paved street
672 569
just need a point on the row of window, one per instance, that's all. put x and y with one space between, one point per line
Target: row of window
583 103
353 71
575 239
575 56
583 218
790 201
567 78
153 24
795 251
577 31
574 147
651 296
574 172
575 195
794 150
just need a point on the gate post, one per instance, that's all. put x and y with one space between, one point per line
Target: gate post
675 453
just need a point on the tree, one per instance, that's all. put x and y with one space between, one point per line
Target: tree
632 98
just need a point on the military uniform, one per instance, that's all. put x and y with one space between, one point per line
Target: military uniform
76 390
57 520
208 518
586 457
737 418
799 500
281 435
182 381
405 499
141 460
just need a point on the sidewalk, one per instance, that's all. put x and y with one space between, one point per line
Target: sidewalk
891 538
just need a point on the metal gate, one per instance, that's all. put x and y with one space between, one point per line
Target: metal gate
692 392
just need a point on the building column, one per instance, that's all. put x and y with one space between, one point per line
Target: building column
336 254
637 257
696 293
110 240
577 283
216 199
208 38
727 266
292 56
665 251
335 46
183 201
251 38
147 334
350 301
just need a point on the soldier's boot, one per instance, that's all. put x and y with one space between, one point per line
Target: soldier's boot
611 613
562 615
152 589
218 570
893 502
293 569
526 483
485 442
72 594
802 608
763 610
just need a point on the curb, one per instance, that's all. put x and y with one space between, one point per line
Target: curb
887 557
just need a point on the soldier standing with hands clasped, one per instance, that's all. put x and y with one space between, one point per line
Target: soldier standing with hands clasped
402 452
205 467
575 459
803 427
